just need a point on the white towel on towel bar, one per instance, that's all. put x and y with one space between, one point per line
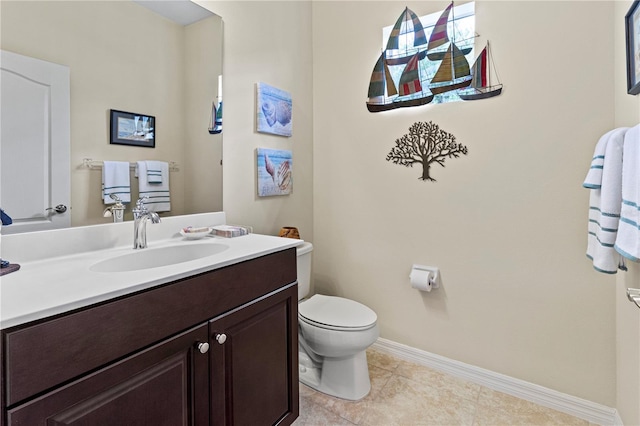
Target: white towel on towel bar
155 171
604 203
158 193
594 175
115 180
628 239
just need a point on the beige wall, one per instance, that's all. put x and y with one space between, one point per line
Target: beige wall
125 57
627 113
506 223
267 42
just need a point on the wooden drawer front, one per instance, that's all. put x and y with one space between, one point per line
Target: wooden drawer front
41 356
166 384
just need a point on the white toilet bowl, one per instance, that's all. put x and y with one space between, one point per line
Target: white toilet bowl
334 334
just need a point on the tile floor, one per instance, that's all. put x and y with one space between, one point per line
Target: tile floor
409 394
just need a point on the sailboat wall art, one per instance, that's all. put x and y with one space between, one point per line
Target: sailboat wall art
409 48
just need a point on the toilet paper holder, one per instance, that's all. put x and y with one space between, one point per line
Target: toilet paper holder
417 276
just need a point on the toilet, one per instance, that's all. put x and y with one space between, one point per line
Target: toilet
333 335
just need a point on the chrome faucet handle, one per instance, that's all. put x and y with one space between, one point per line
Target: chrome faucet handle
140 204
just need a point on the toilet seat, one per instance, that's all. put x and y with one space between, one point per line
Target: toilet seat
336 313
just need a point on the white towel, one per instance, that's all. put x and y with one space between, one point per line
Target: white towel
628 240
594 175
115 180
155 171
604 203
158 193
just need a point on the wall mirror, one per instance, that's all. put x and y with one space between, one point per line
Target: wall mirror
161 58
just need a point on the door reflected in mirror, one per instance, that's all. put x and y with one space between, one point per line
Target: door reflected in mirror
126 57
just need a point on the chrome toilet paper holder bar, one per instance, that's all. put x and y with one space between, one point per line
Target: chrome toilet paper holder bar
633 294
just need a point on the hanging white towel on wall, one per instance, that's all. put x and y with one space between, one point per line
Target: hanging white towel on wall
605 181
594 175
628 239
155 171
158 193
115 180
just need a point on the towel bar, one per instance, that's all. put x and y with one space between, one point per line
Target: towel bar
633 294
90 163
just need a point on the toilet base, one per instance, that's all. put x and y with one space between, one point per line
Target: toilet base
346 378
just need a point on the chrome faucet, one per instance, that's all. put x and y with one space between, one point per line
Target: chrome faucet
140 216
116 210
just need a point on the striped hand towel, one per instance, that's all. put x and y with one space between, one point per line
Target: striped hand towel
594 175
158 193
628 239
604 205
115 180
155 171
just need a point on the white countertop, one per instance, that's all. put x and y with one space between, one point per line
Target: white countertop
46 286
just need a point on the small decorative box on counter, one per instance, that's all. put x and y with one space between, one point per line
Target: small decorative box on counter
230 231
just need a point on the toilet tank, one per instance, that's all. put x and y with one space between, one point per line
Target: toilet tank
304 269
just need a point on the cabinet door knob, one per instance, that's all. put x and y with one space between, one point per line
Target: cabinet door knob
203 347
221 338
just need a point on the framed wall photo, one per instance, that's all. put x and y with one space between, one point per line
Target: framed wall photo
129 128
632 30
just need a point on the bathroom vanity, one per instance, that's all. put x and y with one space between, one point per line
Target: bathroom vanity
215 346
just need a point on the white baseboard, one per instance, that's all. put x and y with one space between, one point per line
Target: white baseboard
577 407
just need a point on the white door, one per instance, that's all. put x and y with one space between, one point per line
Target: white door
34 143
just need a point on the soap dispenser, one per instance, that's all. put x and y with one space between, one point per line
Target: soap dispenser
117 210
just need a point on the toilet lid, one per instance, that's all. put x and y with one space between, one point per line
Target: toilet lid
336 312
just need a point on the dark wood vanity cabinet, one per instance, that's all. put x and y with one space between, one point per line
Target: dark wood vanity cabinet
163 385
218 348
252 379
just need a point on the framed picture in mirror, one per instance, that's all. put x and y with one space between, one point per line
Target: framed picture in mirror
632 31
129 128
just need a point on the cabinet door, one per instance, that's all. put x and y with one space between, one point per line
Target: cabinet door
166 384
254 362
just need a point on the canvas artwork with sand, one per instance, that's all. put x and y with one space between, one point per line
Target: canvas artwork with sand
275 168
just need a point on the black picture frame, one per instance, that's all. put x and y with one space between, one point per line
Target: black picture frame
130 128
632 32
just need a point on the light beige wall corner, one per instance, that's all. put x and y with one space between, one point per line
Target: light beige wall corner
506 223
627 113
122 56
267 42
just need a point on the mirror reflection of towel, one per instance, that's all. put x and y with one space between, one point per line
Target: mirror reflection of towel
158 193
155 171
115 180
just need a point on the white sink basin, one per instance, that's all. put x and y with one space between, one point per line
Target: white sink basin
157 257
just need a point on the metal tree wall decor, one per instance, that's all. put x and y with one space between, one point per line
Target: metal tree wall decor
426 143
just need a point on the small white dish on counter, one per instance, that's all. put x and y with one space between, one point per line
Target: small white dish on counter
195 233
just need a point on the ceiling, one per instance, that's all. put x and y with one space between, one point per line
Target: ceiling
183 12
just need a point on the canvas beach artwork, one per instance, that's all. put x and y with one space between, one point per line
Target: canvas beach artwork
275 169
273 110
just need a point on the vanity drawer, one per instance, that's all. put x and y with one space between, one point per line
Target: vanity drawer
43 355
